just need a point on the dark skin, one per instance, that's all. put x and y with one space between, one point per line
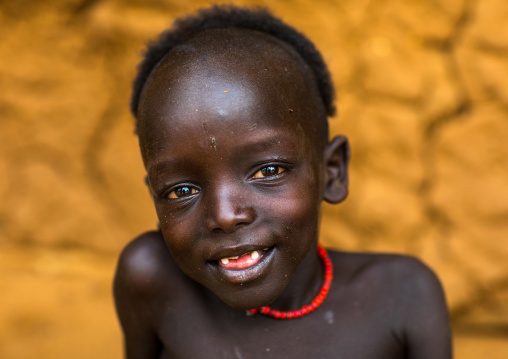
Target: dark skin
237 163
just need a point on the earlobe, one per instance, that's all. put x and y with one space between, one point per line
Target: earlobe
336 161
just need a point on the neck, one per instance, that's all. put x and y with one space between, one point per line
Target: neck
304 284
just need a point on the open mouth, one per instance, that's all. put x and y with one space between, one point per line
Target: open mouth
246 267
243 261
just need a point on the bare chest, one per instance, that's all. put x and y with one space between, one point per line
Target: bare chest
327 333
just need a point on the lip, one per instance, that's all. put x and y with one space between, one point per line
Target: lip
237 250
248 274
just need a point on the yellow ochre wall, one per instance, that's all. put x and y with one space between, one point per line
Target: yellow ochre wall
422 94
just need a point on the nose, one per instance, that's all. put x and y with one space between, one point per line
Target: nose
228 210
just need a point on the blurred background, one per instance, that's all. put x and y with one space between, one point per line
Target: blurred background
422 94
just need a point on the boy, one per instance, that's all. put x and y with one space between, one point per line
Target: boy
231 109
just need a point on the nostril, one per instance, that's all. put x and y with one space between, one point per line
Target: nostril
229 228
230 221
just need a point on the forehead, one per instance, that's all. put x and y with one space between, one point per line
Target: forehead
229 73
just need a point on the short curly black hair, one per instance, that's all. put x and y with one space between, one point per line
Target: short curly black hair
229 16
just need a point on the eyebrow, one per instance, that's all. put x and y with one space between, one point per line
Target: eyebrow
267 142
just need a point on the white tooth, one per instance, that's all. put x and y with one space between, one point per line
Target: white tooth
224 261
234 257
254 255
266 249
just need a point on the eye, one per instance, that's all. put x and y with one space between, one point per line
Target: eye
269 171
182 191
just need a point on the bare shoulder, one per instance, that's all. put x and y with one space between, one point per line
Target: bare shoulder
412 282
145 277
145 266
403 280
403 293
405 273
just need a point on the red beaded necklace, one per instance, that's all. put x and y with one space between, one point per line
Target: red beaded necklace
306 309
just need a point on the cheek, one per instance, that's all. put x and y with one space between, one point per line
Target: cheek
179 234
299 210
183 251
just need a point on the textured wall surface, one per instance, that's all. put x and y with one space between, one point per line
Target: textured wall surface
422 94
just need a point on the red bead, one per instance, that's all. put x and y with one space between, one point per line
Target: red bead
306 309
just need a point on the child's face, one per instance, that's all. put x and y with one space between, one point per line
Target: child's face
234 171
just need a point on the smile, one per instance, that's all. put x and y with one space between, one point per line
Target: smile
243 261
245 267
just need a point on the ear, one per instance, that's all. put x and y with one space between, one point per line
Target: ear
336 161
